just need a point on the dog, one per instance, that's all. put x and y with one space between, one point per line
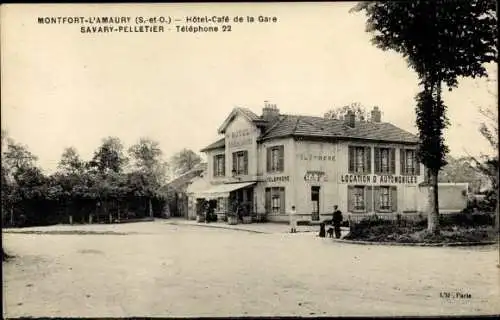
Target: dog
330 232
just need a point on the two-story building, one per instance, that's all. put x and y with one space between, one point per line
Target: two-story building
276 161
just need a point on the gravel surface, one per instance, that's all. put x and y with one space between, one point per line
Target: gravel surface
160 269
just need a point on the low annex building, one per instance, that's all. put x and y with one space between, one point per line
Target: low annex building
275 161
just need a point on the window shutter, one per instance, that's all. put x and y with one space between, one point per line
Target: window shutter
376 196
416 165
282 200
234 160
268 200
369 198
245 162
392 154
268 165
350 198
224 165
282 158
402 161
394 199
351 159
368 160
215 166
377 160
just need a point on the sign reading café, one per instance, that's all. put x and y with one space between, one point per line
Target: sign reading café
377 179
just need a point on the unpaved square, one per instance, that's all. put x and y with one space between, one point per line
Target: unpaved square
157 269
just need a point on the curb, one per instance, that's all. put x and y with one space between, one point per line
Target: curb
215 227
417 244
232 228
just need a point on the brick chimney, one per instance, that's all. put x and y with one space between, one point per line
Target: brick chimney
350 119
376 114
270 112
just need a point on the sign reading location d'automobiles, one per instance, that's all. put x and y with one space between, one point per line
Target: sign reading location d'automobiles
374 179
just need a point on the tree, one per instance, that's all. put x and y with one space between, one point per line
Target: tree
462 170
338 113
442 41
71 162
109 156
148 163
106 166
488 165
185 160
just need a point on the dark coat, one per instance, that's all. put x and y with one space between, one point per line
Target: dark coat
337 217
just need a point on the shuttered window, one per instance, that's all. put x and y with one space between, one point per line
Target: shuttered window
240 163
386 198
219 165
356 196
409 162
359 160
385 160
276 159
275 200
359 198
369 198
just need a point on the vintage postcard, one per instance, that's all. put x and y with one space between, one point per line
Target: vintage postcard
250 159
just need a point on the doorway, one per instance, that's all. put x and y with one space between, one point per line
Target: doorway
315 203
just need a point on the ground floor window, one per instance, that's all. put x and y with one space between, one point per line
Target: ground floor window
386 198
359 198
275 200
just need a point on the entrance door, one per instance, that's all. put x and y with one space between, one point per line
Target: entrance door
315 203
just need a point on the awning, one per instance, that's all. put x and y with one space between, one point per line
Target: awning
222 190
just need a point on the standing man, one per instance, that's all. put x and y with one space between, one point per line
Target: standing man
337 220
293 220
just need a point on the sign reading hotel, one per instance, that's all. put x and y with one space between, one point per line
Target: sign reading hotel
369 179
239 138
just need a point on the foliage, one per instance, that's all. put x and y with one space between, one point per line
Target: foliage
185 160
101 187
71 162
109 156
357 108
463 169
455 228
442 41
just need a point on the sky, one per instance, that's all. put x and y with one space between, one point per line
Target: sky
62 88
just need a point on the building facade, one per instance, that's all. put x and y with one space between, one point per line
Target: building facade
276 161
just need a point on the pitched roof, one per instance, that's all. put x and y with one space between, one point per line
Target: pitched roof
318 127
245 112
182 181
221 143
308 126
249 114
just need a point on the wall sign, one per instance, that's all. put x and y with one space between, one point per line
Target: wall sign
278 179
316 157
315 176
368 179
239 138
